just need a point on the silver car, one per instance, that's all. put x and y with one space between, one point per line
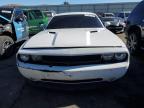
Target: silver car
114 24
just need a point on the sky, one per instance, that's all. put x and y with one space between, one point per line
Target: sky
55 2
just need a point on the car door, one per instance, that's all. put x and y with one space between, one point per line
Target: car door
20 25
31 22
35 21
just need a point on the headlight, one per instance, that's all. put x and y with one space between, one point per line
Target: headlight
7 27
107 57
120 56
107 24
117 24
24 58
36 58
114 57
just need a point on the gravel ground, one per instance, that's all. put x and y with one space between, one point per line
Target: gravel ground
125 93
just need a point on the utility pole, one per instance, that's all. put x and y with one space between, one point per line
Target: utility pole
66 2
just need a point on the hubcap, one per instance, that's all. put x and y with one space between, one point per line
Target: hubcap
6 45
132 43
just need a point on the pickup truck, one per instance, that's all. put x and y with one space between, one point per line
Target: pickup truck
13 29
36 19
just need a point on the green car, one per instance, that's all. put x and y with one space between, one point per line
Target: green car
36 19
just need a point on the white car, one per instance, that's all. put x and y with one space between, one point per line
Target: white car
75 48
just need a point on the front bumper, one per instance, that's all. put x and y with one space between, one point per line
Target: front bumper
73 74
116 28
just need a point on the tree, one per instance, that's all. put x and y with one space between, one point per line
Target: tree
66 3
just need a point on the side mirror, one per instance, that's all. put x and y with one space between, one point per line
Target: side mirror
42 26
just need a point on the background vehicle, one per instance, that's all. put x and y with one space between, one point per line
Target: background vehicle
13 29
49 14
135 29
37 20
124 15
108 15
114 24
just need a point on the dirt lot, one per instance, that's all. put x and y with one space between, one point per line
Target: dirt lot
126 93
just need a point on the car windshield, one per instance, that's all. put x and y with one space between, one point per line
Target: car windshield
49 14
6 13
127 14
109 15
75 21
37 14
108 19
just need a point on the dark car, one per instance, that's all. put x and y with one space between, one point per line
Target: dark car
124 15
135 29
13 29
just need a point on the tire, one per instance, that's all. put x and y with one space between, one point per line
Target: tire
133 43
6 46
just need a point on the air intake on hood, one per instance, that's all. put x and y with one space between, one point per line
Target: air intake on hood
52 32
93 31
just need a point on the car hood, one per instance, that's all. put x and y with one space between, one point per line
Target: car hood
77 37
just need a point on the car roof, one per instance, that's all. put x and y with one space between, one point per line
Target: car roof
31 9
8 9
125 12
108 17
75 13
108 13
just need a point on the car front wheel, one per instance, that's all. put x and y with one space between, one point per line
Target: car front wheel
133 43
6 46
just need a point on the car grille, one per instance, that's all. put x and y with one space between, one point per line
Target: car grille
115 27
70 60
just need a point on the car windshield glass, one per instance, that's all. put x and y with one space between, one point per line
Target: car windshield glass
37 14
45 14
109 15
127 14
75 21
6 13
108 19
2 21
49 14
121 15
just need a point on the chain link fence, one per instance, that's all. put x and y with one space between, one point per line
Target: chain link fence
105 7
